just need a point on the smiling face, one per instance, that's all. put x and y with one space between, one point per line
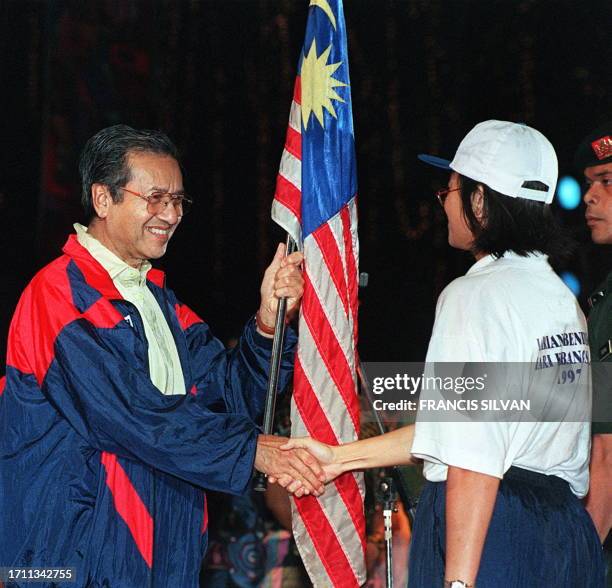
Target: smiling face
598 200
127 228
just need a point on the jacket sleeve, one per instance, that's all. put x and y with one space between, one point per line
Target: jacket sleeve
117 408
233 380
108 398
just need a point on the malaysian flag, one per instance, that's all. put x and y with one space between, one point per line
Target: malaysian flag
315 201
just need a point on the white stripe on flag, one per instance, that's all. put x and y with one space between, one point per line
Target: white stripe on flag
335 509
295 117
291 169
327 294
324 388
337 230
331 502
353 211
286 219
313 566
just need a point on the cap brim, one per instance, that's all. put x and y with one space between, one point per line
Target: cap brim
435 161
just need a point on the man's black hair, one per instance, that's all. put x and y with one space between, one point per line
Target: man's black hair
104 159
513 224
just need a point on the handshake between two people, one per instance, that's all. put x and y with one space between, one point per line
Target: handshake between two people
303 465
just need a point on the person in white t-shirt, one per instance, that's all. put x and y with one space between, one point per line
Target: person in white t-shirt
501 504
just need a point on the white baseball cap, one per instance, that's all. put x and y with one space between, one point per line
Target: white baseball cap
511 158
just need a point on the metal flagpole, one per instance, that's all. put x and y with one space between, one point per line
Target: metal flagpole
388 488
261 482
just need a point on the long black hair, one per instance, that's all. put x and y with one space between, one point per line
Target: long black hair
513 224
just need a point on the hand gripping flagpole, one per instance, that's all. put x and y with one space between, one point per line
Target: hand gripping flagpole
261 482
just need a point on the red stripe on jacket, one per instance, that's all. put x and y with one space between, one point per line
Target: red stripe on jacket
130 506
205 516
186 316
45 308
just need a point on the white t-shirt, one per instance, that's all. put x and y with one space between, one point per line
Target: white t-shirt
512 309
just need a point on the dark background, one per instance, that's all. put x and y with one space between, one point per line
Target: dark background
217 76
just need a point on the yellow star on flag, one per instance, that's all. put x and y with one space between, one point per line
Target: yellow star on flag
318 85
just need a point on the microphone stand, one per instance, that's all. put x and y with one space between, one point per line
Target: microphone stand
388 495
390 486
400 482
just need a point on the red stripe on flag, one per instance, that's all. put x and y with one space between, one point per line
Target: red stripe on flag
327 545
130 506
293 143
331 254
351 267
289 196
330 350
308 405
349 490
2 384
297 90
316 422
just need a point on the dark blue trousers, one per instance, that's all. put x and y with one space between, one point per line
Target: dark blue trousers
540 536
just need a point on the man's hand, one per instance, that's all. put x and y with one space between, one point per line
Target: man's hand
296 470
325 455
376 452
283 278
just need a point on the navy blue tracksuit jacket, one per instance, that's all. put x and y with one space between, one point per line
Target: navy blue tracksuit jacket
98 470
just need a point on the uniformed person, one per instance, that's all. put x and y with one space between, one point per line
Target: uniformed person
594 159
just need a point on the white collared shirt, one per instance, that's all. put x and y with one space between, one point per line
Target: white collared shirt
164 364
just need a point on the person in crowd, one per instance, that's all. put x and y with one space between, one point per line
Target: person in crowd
594 160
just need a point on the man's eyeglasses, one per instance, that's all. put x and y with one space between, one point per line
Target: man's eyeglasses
157 202
443 193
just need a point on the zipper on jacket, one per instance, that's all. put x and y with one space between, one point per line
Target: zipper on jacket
131 315
135 321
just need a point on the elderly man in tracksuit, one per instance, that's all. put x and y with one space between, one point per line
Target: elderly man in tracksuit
119 408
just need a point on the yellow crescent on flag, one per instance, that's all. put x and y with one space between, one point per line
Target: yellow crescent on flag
326 8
